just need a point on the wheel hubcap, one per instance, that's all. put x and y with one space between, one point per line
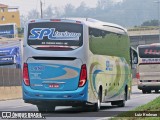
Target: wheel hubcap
98 104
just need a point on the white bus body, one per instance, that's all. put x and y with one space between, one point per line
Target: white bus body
148 68
75 62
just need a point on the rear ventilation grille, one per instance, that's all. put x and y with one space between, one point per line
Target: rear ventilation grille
54 58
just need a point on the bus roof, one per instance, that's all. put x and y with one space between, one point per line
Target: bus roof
88 21
95 22
152 44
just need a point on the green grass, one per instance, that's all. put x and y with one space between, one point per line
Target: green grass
151 106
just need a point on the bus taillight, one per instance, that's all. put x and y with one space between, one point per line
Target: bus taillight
78 22
26 74
138 76
55 20
83 75
32 21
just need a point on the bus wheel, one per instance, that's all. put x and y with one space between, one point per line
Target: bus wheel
156 91
143 91
97 106
149 91
120 103
46 108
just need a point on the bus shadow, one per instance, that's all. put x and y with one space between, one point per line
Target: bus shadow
146 93
81 112
80 109
108 107
136 92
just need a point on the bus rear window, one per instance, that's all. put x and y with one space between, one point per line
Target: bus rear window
56 36
149 51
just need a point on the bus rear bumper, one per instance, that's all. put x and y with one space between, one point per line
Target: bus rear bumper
149 86
59 98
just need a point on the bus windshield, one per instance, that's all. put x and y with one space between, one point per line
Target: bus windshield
149 51
56 36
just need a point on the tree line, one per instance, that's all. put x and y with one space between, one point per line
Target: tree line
126 13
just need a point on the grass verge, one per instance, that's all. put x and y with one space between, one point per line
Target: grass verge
144 112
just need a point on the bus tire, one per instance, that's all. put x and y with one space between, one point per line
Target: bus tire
120 103
156 91
144 91
46 108
148 91
97 106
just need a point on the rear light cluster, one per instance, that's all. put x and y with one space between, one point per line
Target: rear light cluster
32 21
83 76
82 81
59 20
138 76
55 20
26 74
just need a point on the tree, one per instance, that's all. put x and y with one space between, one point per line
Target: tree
69 10
81 10
104 4
57 12
150 23
23 20
126 13
49 12
33 14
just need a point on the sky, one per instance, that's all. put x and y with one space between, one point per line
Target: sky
26 5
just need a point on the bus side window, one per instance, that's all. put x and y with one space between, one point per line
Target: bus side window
97 33
97 42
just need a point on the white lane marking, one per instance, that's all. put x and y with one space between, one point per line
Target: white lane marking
18 106
139 96
104 118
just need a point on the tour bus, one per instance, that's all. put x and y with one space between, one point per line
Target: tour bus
148 67
76 62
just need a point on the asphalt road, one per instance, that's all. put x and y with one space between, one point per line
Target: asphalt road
69 113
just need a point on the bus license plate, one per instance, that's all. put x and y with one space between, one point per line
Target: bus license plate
53 85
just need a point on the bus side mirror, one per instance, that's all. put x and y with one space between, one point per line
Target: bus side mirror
135 60
134 63
134 57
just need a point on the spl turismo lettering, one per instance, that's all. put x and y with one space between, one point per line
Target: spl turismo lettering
52 34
